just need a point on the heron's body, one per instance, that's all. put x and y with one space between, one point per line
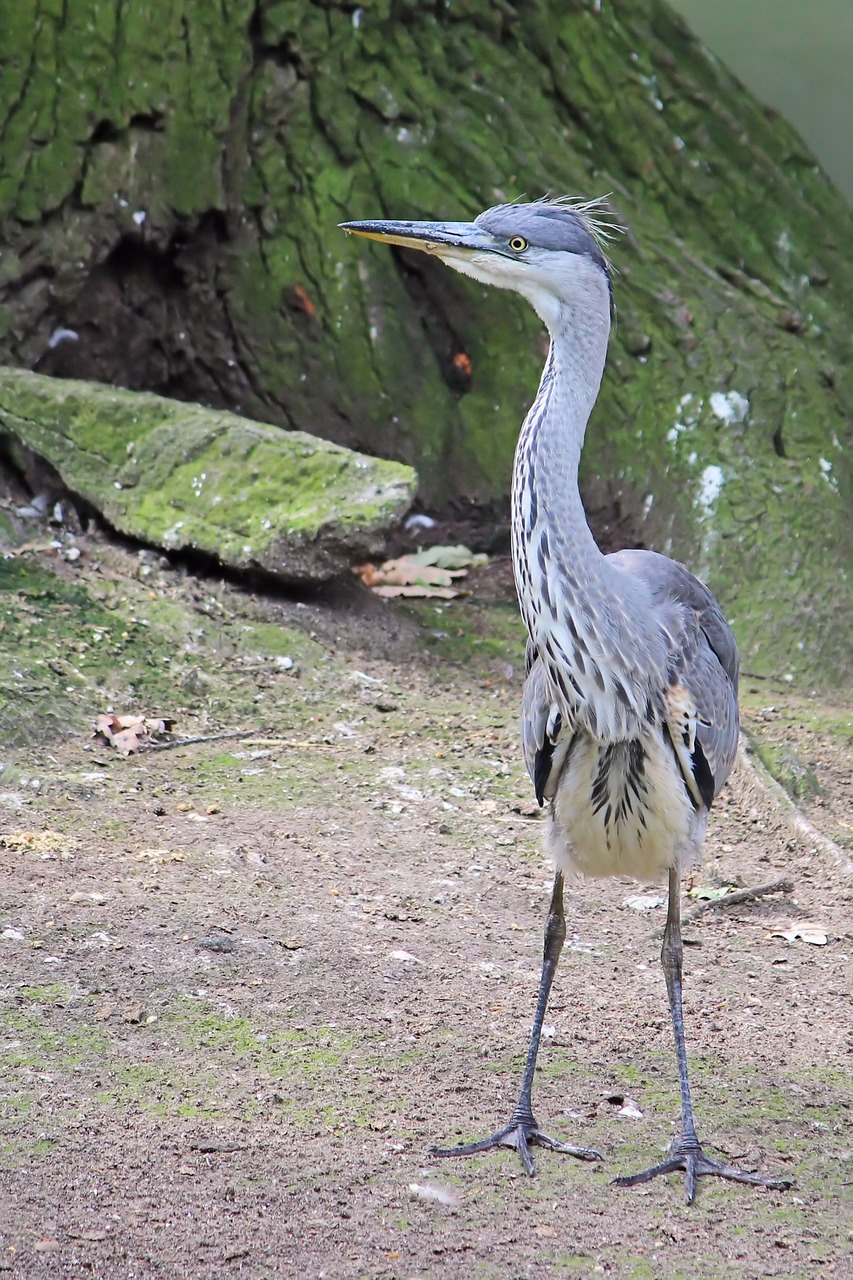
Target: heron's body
619 661
629 709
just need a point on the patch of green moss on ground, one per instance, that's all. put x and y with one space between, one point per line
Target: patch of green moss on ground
53 993
465 633
194 1023
66 654
69 653
42 1047
790 771
820 715
196 1062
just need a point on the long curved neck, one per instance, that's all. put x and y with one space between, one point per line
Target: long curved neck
546 499
584 620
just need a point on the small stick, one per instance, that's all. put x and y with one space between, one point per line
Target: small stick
733 899
188 742
244 734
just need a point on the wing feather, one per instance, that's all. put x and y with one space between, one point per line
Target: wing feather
545 739
700 701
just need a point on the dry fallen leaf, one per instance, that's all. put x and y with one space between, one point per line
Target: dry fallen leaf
812 933
709 893
28 548
416 592
427 573
457 557
43 842
128 733
644 901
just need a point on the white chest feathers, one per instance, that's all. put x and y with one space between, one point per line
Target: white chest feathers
622 809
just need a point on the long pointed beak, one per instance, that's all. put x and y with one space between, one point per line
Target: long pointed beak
444 239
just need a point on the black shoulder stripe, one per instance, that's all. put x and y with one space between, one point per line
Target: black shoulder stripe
544 763
703 775
542 769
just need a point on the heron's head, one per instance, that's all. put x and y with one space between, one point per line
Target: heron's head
550 251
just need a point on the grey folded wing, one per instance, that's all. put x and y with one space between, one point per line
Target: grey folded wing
545 739
700 702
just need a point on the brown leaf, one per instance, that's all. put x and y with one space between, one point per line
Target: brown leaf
437 593
300 294
407 571
409 576
805 932
128 733
27 547
131 722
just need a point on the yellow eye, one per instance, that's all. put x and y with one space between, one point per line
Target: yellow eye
518 244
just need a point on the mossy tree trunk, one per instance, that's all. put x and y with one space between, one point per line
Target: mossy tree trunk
171 177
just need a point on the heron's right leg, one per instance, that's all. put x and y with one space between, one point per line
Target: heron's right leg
522 1131
686 1152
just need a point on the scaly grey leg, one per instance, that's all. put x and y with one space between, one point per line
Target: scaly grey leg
522 1130
686 1152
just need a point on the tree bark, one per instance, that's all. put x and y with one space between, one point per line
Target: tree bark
171 177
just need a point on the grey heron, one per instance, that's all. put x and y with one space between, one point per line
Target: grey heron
629 708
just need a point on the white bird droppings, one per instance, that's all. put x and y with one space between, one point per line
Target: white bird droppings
729 406
62 335
433 1191
710 484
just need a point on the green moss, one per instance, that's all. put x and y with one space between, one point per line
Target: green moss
792 773
196 1062
67 655
184 477
54 993
476 637
277 123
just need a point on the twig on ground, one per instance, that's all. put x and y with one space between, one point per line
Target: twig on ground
244 735
189 742
732 900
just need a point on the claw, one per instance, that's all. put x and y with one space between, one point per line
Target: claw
520 1135
695 1164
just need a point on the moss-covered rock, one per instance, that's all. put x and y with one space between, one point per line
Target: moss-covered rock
186 478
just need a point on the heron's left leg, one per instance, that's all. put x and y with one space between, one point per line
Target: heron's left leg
686 1152
522 1131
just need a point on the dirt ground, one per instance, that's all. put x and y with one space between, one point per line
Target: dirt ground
248 982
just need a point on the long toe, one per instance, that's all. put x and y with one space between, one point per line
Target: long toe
521 1135
693 1162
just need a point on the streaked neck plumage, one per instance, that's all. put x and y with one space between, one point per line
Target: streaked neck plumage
577 608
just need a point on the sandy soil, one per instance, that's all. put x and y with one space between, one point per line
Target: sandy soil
246 983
